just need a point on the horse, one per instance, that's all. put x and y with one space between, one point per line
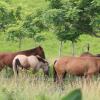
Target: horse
97 55
88 54
6 58
79 66
30 62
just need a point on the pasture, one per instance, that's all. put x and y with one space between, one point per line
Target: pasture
34 87
29 88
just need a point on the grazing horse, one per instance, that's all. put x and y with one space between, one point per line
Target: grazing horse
7 58
97 55
88 54
79 66
30 62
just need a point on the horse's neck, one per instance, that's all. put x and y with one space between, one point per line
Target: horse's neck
39 65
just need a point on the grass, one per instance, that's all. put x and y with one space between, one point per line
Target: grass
51 45
29 88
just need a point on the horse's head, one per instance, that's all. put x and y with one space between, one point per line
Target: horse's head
44 65
46 68
39 51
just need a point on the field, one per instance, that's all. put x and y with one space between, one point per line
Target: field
27 86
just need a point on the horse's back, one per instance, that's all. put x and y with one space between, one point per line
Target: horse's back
97 55
81 65
21 58
86 54
33 61
61 63
7 58
76 65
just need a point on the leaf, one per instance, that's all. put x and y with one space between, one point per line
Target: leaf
74 95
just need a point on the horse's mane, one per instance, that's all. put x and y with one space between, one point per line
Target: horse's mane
41 59
97 55
31 50
87 54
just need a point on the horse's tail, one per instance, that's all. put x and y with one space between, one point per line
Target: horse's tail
54 72
15 65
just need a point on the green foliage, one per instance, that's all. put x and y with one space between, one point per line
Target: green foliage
63 21
8 15
55 4
72 19
74 95
88 11
33 25
15 33
7 72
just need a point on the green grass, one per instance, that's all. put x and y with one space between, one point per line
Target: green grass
51 45
29 88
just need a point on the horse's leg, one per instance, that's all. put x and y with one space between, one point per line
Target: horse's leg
60 80
1 66
89 77
55 75
64 75
91 72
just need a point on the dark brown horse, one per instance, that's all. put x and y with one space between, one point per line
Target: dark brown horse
7 57
79 66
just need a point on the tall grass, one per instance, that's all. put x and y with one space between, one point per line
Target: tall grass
31 88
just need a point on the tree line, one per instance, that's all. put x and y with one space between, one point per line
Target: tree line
66 19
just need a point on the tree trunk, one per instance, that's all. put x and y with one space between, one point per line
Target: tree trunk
73 48
20 42
60 48
34 40
88 47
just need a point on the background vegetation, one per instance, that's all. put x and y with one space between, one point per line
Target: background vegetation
55 25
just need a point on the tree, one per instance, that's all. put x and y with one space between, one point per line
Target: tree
62 20
7 16
33 25
55 4
70 19
15 33
89 17
17 27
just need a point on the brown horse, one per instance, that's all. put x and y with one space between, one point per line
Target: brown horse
79 66
97 55
7 58
88 54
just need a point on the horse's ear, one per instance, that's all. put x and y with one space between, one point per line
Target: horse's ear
39 47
